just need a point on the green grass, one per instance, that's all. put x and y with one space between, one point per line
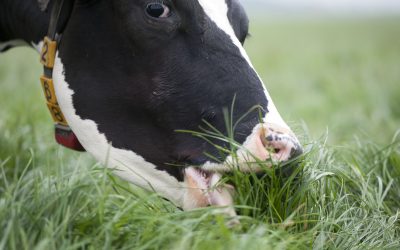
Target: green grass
343 75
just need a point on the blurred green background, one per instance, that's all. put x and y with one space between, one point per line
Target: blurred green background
333 75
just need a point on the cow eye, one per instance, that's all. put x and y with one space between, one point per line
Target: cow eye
157 10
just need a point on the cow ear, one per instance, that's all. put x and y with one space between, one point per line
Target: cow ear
43 4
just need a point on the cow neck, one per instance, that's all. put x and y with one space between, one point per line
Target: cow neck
60 13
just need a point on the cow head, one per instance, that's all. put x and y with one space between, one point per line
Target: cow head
129 74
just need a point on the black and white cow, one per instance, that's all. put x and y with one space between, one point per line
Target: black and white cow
130 73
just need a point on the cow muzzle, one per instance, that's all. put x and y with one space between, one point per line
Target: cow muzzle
269 144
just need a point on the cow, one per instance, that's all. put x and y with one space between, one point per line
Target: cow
130 76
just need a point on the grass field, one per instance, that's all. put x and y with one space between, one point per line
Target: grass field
336 81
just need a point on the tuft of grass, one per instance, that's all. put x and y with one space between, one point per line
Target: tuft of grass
338 202
326 202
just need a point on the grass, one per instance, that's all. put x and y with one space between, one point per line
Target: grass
343 194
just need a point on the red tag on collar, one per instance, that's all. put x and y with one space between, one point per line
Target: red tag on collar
68 139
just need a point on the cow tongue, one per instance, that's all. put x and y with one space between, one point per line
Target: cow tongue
203 191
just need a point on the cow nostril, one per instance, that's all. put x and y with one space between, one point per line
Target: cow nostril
281 145
267 142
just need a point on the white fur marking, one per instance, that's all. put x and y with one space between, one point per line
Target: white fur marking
126 164
217 11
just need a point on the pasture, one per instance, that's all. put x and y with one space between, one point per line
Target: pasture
337 81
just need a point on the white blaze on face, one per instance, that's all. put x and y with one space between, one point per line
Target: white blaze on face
217 11
200 182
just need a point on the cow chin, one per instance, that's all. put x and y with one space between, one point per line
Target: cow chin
268 144
203 189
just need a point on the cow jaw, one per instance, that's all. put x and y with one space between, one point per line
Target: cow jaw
204 189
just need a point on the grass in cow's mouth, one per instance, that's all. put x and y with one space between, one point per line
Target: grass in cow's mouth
259 195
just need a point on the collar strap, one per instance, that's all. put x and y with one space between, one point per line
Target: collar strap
61 11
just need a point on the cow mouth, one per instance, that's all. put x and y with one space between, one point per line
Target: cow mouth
200 178
204 189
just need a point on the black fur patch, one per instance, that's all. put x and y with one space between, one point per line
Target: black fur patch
142 79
